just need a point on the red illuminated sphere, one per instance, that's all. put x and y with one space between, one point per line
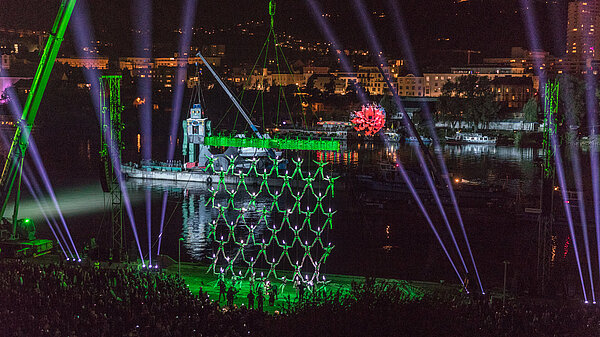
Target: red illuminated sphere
369 119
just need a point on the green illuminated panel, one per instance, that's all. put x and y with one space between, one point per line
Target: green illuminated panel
277 143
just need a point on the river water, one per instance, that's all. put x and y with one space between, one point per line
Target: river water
379 233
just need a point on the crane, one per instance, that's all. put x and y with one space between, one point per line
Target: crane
14 161
468 52
235 101
237 104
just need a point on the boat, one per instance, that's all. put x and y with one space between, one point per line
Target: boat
335 130
426 140
392 136
470 138
198 154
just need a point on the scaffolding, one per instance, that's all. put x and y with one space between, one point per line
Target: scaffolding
111 140
546 239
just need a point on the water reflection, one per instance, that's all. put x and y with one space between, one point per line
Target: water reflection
514 169
198 214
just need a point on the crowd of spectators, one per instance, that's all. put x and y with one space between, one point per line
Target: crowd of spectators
79 300
379 308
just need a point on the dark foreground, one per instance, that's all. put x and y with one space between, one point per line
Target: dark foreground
76 300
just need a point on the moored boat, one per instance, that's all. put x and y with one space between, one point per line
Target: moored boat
470 138
426 140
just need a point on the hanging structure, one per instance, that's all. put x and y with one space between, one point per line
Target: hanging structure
283 226
273 87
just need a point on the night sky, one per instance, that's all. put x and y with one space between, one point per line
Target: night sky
492 26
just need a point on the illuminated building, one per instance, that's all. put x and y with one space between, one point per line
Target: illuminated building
137 66
583 20
410 85
181 61
512 92
344 81
315 70
5 61
21 40
265 79
213 50
433 83
371 80
84 62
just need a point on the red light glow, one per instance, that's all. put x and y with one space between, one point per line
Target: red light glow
369 119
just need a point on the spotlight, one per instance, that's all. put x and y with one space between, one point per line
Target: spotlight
79 260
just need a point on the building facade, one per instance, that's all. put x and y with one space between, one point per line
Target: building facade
411 86
583 40
84 62
372 81
512 92
433 82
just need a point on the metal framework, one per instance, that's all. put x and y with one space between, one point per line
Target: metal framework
283 226
546 219
275 143
110 135
551 112
14 161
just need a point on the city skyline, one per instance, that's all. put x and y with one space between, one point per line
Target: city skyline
432 25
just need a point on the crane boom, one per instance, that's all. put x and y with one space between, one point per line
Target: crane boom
14 160
231 96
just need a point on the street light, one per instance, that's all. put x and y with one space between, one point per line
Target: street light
179 264
506 263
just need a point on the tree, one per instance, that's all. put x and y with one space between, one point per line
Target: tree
330 86
449 104
389 105
572 99
310 82
469 98
530 110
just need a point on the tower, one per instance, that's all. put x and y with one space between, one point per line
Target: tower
546 217
110 154
583 39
